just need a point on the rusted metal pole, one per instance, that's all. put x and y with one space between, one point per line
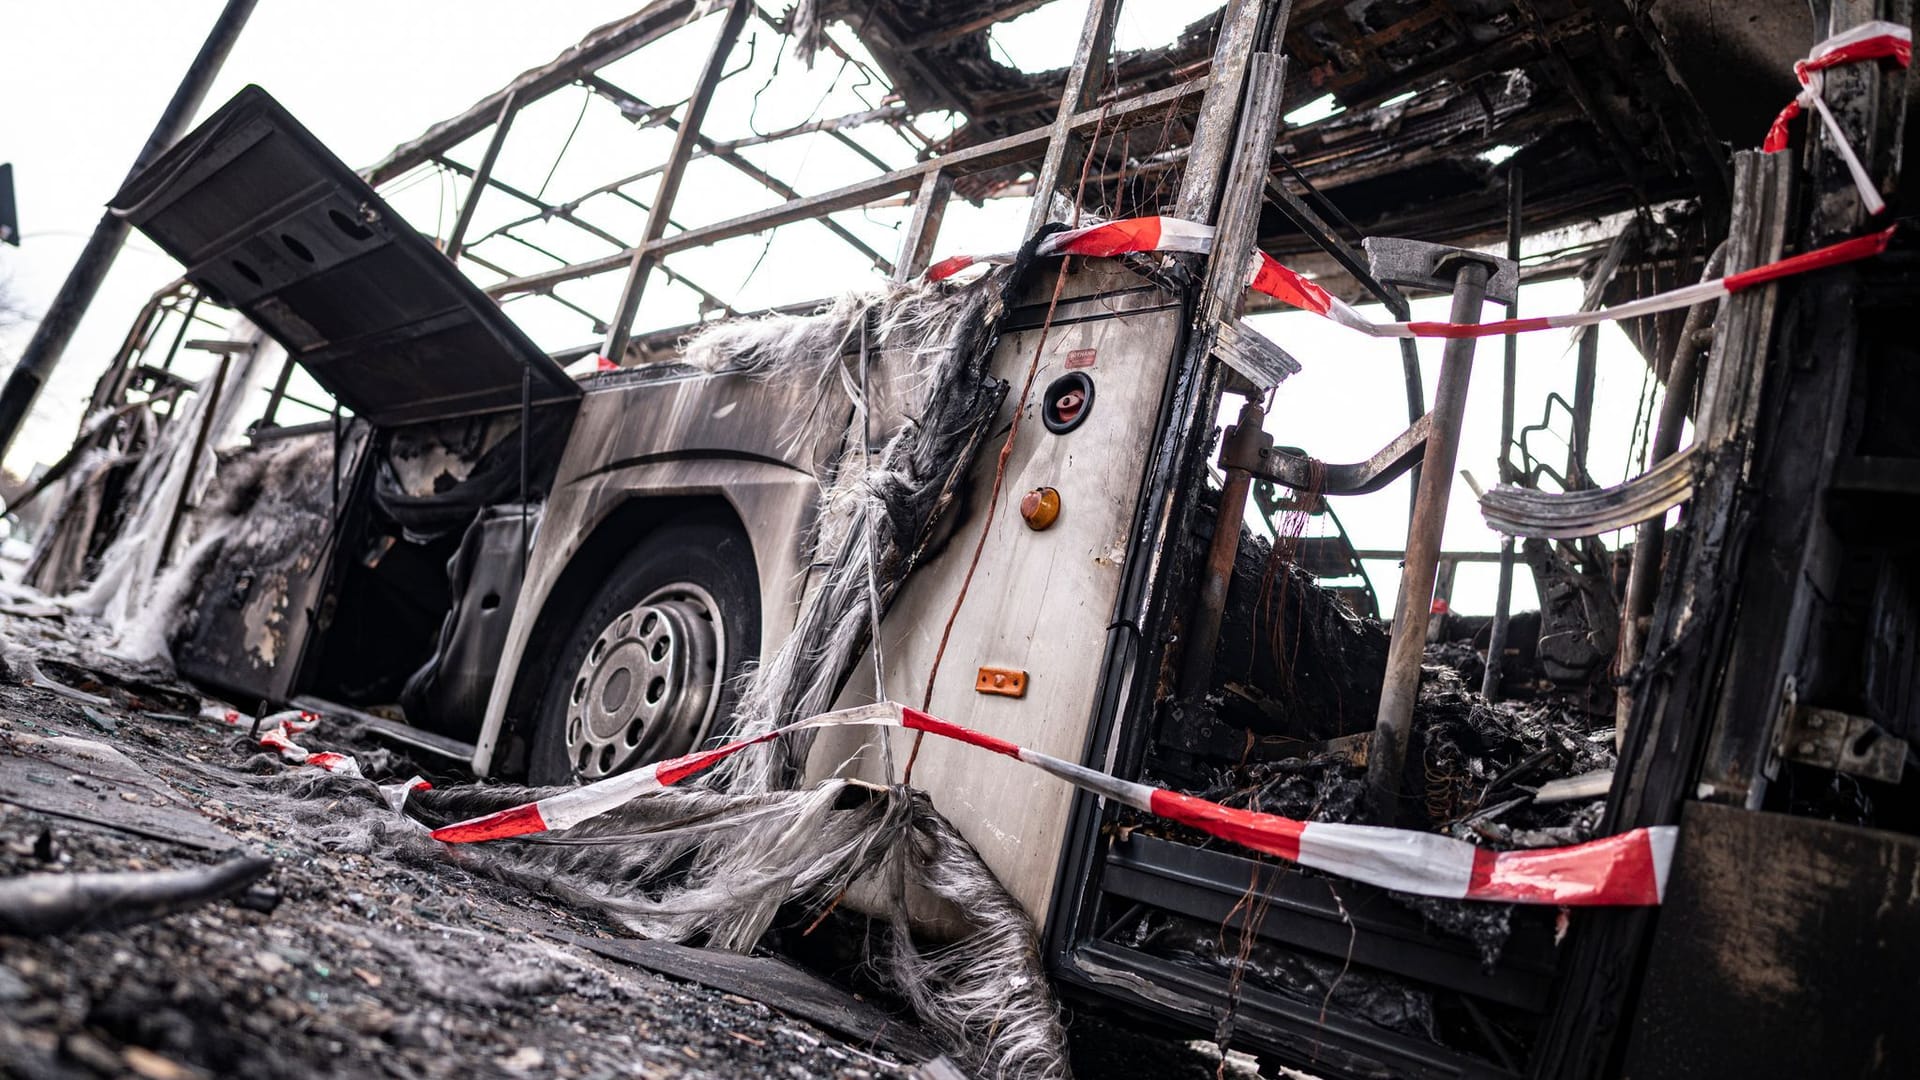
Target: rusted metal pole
1203 638
83 281
1509 378
1649 541
1394 722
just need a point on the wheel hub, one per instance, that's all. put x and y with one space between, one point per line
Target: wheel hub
648 685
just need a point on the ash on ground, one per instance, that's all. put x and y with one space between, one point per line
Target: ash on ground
343 960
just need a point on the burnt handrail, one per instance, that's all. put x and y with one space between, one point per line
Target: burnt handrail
1296 470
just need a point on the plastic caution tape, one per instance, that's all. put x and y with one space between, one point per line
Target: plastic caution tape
279 738
1267 275
1127 236
1868 41
1628 869
278 730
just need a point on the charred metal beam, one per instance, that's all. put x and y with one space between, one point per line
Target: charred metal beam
546 210
1390 555
1819 365
180 336
601 47
1212 144
599 325
929 209
112 385
1650 539
1518 511
644 259
1264 80
1393 723
1509 385
1343 150
210 412
481 175
1011 150
1308 221
747 168
1691 635
278 393
1084 79
885 113
1238 225
1241 438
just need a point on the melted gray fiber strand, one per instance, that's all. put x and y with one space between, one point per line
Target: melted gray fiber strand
712 862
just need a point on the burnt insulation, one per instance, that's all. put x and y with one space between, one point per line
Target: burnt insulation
713 863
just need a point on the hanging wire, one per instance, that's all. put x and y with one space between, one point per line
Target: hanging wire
799 171
753 111
584 100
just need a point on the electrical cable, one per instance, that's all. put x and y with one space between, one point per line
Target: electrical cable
582 115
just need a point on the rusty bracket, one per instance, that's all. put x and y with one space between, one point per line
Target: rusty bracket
1006 682
1293 469
1842 742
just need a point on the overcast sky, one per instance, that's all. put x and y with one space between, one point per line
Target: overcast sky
86 79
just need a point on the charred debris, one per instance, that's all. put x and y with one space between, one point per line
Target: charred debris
422 467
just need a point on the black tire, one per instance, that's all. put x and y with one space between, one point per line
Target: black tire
681 558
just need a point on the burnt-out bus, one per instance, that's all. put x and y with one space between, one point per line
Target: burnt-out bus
383 499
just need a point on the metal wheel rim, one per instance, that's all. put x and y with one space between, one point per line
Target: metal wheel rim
649 684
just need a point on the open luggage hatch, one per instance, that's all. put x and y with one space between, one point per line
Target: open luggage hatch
268 221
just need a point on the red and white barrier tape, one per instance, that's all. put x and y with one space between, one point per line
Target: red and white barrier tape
1868 41
1268 276
294 720
1124 237
279 738
277 732
1627 869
